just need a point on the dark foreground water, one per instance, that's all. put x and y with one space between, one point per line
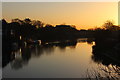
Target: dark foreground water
58 60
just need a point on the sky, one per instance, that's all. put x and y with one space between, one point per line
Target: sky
83 15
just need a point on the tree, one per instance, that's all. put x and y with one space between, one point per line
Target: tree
73 26
108 25
27 20
37 23
49 25
17 20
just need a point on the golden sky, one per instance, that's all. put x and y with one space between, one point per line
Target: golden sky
83 15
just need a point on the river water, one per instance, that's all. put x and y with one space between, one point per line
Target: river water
66 60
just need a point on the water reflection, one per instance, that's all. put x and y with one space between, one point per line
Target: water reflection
19 56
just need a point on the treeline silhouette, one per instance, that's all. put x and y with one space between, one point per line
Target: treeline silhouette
28 30
36 30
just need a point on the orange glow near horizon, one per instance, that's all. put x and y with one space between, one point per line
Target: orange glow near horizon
83 15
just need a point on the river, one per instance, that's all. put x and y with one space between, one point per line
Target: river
66 60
